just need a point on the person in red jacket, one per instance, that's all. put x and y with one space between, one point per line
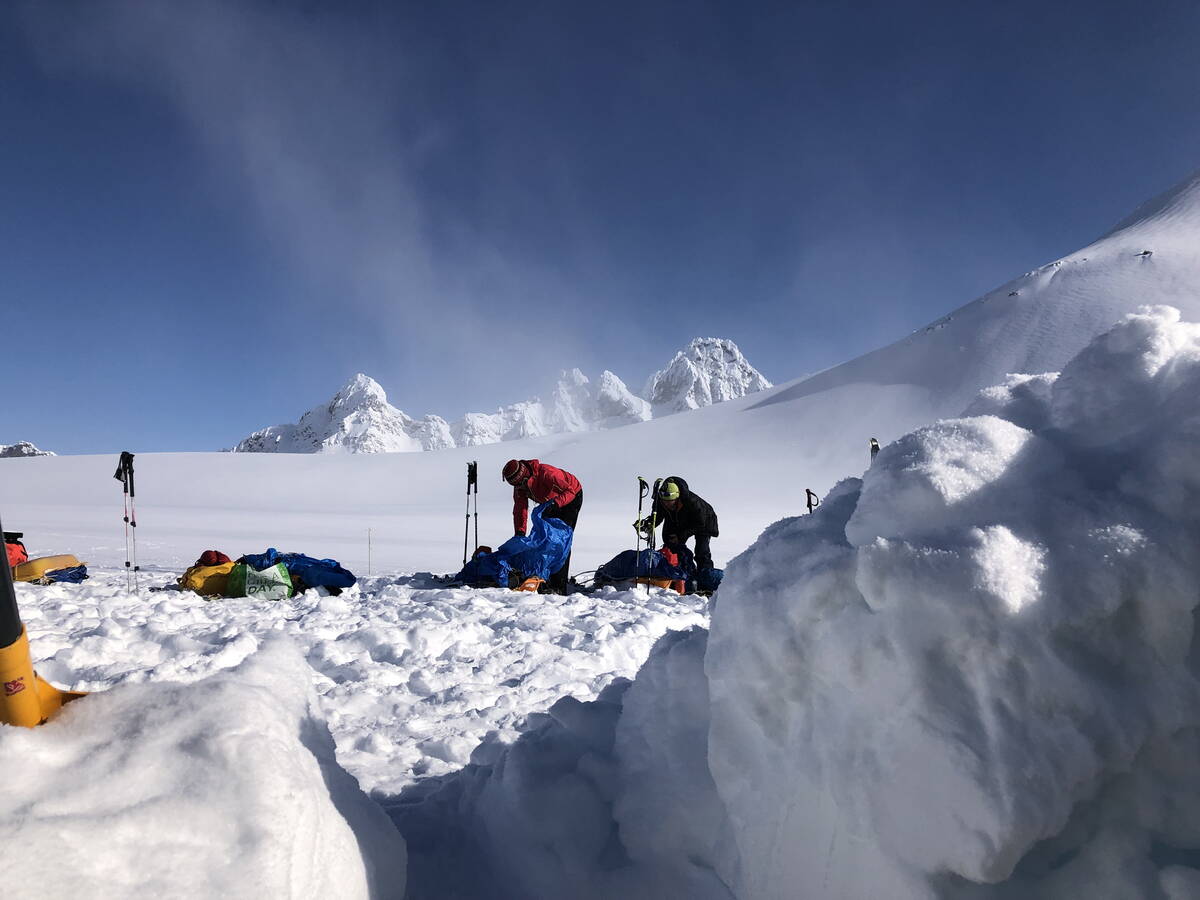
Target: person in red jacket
533 480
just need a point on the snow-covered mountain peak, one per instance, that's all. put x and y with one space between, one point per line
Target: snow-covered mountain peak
360 391
21 449
359 418
707 371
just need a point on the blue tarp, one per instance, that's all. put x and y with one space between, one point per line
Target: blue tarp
312 572
542 552
634 564
71 575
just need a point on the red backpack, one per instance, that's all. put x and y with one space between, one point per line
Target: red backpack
17 553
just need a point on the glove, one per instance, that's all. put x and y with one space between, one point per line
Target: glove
551 511
644 527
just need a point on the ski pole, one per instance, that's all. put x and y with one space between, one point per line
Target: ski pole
472 480
475 481
643 490
874 450
653 525
813 500
124 474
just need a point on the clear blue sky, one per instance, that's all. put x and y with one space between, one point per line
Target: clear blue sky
213 213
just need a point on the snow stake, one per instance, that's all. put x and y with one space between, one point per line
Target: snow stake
472 482
124 474
25 699
812 499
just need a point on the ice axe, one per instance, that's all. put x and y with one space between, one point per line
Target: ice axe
25 699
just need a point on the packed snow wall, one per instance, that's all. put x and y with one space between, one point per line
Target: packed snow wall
976 665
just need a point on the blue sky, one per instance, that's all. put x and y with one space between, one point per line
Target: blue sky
213 214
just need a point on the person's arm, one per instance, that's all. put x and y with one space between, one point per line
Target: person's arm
520 510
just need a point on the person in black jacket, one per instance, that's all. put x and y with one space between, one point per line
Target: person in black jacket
684 515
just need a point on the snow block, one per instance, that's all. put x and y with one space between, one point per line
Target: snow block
973 674
227 787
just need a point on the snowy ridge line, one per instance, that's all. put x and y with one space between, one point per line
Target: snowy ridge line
360 420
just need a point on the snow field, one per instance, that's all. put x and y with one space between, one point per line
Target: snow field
410 676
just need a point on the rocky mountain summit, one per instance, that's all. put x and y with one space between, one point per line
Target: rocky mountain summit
360 420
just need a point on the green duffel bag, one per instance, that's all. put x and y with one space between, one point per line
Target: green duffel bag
272 583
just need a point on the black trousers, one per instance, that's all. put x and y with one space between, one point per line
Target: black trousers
703 554
570 515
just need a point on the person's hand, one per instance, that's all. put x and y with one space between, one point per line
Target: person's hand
642 526
518 534
551 511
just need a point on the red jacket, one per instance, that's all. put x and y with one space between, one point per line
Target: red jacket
546 483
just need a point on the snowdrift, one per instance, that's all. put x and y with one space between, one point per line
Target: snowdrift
972 673
977 665
224 788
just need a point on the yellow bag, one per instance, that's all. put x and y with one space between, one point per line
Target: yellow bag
34 569
207 580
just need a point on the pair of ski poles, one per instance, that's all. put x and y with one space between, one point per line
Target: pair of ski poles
643 490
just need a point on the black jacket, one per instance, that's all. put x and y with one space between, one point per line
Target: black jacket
693 517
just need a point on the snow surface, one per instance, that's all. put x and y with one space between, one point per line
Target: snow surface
970 674
360 420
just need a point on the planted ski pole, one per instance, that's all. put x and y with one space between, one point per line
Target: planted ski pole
643 490
472 482
124 474
874 450
25 699
813 500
